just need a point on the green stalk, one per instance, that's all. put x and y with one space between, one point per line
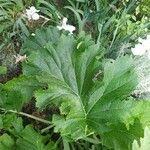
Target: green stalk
100 32
27 115
47 128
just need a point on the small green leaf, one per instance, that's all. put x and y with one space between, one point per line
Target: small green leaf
30 139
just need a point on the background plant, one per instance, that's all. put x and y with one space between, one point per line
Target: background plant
15 27
115 21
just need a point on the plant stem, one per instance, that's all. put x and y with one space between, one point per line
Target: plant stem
47 128
58 141
100 32
27 115
114 35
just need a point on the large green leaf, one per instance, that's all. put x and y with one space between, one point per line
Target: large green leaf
65 71
68 68
58 71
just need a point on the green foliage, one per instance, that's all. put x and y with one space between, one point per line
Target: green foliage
6 142
144 8
24 85
15 25
61 71
113 24
71 73
11 100
30 139
16 137
48 8
17 92
11 16
144 142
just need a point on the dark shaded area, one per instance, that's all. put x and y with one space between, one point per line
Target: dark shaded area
11 73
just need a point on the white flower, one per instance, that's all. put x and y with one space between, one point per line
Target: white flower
138 50
35 16
32 13
66 26
91 11
146 18
32 34
142 47
20 58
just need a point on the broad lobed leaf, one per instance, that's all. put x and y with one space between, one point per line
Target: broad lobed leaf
66 65
87 107
61 72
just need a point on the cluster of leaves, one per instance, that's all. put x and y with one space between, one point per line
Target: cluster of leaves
143 8
15 26
17 137
13 19
91 93
115 21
